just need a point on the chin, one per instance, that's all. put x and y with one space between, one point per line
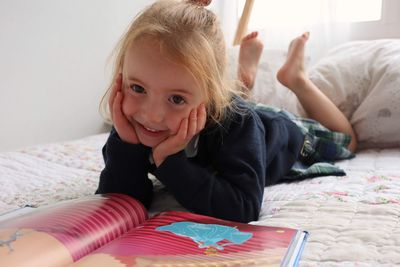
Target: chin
150 143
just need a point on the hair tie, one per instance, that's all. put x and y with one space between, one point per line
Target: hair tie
200 2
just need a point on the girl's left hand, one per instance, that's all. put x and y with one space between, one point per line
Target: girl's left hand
188 128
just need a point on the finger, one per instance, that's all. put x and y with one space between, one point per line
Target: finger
183 129
115 88
201 118
121 123
192 127
117 109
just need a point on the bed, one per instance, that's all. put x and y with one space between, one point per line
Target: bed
353 220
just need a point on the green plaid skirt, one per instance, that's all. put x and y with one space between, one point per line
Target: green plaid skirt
320 149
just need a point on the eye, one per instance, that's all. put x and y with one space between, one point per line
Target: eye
138 89
177 100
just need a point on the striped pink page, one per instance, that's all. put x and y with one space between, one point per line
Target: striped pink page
85 224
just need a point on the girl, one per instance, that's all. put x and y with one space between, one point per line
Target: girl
177 115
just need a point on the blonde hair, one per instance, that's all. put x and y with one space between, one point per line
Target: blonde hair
191 35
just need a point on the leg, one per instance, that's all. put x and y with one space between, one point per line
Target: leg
315 103
249 55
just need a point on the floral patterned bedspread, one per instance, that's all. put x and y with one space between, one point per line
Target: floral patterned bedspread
353 220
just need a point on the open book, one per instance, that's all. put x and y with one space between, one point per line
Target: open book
114 230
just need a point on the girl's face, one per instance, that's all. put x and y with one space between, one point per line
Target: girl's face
158 93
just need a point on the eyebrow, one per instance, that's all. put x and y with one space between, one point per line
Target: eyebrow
134 79
181 91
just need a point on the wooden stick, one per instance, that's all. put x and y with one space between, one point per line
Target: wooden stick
243 22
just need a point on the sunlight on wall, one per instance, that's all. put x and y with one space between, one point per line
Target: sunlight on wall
307 12
359 10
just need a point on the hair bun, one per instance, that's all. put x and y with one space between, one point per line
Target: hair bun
200 2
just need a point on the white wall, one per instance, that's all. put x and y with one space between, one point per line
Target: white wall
53 58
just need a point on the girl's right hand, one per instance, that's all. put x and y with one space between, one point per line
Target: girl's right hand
124 128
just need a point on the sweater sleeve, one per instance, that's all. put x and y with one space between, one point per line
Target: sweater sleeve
126 169
232 186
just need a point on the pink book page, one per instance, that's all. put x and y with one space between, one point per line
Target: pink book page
67 231
186 238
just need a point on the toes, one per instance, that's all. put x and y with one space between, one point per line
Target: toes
250 36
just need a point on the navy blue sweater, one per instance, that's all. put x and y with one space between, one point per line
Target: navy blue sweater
226 178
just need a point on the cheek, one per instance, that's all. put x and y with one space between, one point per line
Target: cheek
175 119
173 123
129 105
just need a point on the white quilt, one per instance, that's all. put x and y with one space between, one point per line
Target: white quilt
353 220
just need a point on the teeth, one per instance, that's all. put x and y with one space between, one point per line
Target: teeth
150 130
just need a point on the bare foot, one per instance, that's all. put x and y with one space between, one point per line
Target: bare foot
249 55
292 74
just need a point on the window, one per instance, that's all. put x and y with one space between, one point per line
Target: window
359 10
270 12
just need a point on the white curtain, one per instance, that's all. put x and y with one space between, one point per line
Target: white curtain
278 22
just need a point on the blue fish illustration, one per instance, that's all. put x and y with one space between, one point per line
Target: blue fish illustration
207 235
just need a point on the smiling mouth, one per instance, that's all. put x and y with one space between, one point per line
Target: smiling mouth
151 130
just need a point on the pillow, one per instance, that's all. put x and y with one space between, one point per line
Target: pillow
363 79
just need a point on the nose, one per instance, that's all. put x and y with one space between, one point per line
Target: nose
154 111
